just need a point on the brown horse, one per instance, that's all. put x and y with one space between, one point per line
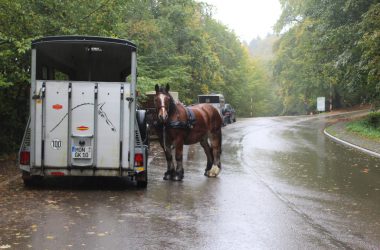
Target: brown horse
179 125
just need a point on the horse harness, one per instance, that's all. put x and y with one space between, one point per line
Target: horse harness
188 124
177 124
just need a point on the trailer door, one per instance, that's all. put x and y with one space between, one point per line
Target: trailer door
82 124
108 125
55 109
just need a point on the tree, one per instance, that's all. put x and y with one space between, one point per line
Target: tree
325 49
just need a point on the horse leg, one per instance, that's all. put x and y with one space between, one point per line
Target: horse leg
216 145
169 159
169 174
206 147
178 157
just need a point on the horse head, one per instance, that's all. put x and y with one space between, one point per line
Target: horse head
163 101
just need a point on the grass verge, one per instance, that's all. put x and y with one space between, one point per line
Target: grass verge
368 126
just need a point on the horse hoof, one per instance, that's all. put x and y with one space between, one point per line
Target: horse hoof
213 172
167 177
178 178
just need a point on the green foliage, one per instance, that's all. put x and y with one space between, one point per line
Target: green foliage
329 48
367 127
178 43
373 120
267 99
22 21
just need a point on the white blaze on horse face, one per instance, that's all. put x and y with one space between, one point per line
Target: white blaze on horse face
162 113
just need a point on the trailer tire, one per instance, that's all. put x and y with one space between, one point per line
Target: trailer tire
142 179
31 180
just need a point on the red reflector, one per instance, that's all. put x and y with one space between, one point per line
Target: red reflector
24 157
57 173
139 160
57 106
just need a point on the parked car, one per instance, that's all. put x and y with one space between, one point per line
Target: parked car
229 114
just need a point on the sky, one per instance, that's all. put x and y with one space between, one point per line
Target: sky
248 18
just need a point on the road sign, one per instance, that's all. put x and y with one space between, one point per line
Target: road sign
321 104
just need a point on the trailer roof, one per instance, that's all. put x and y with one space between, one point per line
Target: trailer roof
92 39
211 95
84 57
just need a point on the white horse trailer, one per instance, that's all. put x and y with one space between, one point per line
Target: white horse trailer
216 100
83 119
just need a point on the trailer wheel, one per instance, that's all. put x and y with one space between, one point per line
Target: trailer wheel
31 180
143 127
142 179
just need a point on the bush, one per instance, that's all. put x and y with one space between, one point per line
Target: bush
373 119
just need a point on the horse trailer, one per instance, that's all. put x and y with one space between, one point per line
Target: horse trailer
83 118
216 100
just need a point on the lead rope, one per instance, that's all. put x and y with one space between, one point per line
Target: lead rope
164 137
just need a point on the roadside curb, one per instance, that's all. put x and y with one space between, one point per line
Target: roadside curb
351 145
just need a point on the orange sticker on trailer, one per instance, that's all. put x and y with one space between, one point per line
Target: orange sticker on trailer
82 128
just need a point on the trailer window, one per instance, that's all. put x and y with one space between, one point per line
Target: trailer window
209 99
45 73
58 75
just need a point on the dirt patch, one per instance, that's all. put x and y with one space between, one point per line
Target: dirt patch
8 168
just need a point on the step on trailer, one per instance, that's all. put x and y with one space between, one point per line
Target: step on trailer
83 118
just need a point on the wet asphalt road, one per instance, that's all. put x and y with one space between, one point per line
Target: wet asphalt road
284 185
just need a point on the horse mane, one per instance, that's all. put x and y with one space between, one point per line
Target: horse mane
172 105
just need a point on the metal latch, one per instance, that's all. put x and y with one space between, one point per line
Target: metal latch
129 99
40 94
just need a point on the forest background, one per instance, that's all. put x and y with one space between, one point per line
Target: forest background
322 48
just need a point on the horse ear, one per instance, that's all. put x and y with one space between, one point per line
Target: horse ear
167 87
157 88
